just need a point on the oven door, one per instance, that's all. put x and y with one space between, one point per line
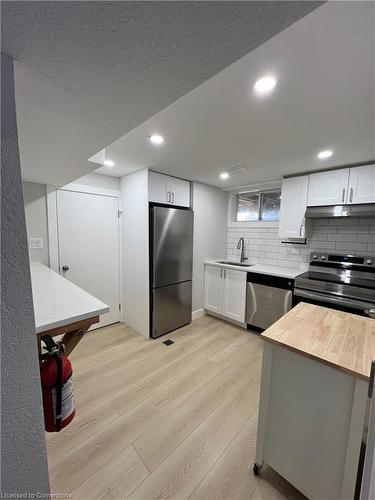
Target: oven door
340 303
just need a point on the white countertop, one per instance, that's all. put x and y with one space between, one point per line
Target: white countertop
283 272
58 302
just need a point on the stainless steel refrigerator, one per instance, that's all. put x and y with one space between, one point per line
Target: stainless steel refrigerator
171 265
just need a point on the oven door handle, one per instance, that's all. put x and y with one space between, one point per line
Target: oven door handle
364 306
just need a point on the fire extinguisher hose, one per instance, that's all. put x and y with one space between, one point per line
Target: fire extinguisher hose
59 384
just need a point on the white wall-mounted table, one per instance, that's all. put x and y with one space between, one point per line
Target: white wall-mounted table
62 308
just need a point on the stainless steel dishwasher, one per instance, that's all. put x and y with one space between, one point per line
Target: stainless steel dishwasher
267 299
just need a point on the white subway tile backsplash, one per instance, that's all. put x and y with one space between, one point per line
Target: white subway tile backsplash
369 238
342 237
349 245
323 245
335 235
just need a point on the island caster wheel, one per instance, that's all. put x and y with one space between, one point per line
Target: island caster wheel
256 469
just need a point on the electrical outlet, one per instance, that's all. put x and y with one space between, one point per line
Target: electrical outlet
35 243
288 253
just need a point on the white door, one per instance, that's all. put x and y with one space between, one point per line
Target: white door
362 184
158 188
180 192
293 207
88 228
328 188
234 295
213 288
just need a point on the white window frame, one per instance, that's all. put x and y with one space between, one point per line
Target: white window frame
232 206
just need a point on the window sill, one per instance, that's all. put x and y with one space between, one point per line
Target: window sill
255 223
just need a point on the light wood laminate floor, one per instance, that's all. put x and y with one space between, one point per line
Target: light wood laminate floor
157 422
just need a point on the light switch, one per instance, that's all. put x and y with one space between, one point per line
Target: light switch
35 243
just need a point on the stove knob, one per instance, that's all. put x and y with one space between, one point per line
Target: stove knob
369 261
315 256
324 257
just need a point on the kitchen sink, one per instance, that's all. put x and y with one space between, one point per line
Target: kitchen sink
231 263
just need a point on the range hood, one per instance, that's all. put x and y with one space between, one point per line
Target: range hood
330 211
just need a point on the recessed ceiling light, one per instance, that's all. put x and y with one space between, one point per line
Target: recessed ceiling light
156 139
109 163
323 155
224 175
265 84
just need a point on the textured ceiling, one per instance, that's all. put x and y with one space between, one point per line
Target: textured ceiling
325 65
89 72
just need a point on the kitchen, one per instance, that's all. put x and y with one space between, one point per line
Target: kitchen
218 255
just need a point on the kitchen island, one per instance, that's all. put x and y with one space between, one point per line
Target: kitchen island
62 308
315 374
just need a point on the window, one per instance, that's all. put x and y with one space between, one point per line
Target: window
258 205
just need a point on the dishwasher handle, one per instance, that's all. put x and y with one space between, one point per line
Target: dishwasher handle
270 280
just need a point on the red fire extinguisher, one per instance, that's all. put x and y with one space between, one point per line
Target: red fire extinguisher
57 387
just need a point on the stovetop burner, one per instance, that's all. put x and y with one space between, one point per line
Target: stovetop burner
341 279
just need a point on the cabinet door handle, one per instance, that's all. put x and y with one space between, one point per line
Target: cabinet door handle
221 272
300 229
343 195
168 196
225 274
172 193
351 195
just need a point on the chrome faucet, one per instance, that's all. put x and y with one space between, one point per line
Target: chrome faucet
241 245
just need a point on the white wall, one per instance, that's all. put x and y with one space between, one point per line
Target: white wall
98 181
23 450
346 235
135 251
36 219
210 207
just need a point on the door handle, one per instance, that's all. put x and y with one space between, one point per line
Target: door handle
65 268
351 195
343 195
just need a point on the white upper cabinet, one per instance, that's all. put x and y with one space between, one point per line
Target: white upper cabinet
157 188
328 188
293 207
168 190
362 185
180 192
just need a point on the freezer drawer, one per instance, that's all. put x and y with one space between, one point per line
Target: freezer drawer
266 304
171 308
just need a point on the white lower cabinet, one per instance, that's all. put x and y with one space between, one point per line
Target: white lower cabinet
225 292
213 292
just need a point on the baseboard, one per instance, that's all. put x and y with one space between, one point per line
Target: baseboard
228 320
197 314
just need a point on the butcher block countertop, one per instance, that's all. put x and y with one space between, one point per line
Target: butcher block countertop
341 340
